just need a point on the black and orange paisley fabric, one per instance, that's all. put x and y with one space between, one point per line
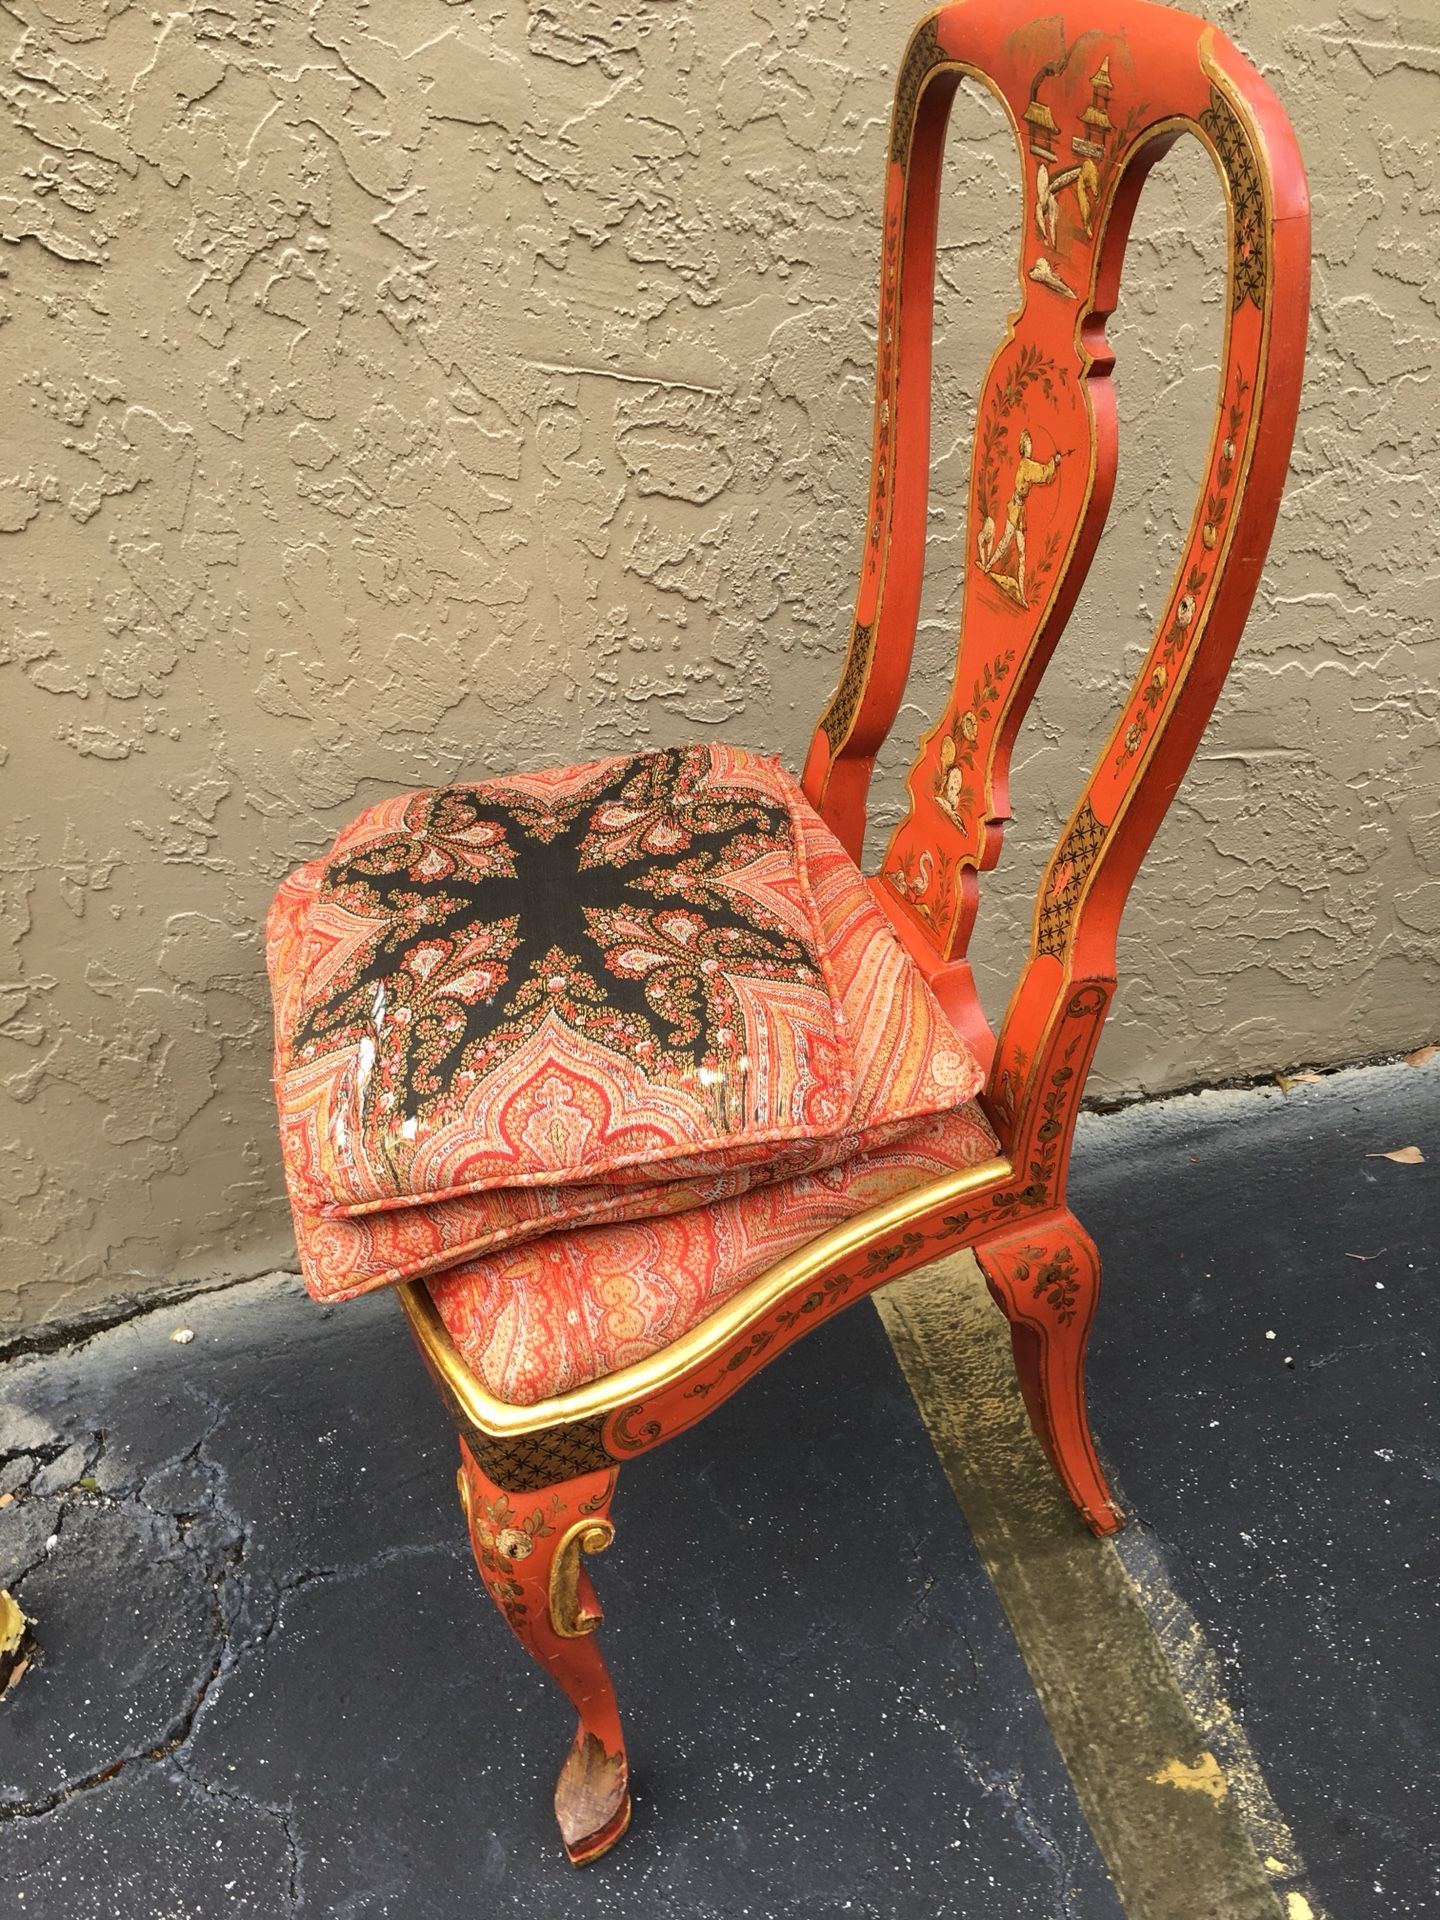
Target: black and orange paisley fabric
552 976
604 992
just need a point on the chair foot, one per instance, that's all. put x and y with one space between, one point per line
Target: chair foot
592 1800
528 1547
1045 1278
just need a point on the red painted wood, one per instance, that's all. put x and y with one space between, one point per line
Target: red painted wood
1045 1278
515 1538
1092 107
1021 1200
1118 97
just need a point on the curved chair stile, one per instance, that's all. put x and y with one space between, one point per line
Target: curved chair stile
1094 98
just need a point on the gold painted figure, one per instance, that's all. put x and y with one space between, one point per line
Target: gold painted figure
1029 472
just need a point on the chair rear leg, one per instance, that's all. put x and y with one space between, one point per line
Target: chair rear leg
528 1547
1045 1277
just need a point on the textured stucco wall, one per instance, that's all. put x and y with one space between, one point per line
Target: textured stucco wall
396 392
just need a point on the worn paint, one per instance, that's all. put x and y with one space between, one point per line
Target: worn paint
1120 1664
1227 1762
392 394
1201 1775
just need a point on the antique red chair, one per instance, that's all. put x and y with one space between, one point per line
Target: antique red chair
623 1074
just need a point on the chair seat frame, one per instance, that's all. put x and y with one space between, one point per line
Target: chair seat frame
537 1480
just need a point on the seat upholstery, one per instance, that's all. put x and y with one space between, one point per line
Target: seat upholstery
639 987
558 1312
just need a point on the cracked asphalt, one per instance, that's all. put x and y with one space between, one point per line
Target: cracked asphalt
1262 1374
268 1682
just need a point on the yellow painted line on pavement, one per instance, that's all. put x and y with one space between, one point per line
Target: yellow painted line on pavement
1134 1694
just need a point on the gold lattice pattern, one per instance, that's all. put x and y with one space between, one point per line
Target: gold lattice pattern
839 716
1249 267
923 53
1070 870
529 1461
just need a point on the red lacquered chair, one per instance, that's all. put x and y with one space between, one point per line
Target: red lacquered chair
623 1074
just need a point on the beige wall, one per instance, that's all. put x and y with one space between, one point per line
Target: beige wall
395 393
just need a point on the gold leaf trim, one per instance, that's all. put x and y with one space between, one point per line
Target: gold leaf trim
569 1619
503 1428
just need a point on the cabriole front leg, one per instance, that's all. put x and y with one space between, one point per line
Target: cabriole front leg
528 1548
1045 1278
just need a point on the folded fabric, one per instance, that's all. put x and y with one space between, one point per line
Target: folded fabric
556 1313
633 987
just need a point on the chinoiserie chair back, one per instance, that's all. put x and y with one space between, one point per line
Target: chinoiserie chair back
1092 107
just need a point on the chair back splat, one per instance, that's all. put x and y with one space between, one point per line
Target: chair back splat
1091 110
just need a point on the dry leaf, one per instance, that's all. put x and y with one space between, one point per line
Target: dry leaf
1407 1156
1420 1056
1287 1080
14 1642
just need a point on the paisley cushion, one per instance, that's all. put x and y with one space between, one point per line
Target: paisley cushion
562 977
558 1312
802 956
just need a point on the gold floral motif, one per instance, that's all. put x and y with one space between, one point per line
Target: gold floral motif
960 741
885 384
1177 637
819 1299
1056 1281
500 1537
